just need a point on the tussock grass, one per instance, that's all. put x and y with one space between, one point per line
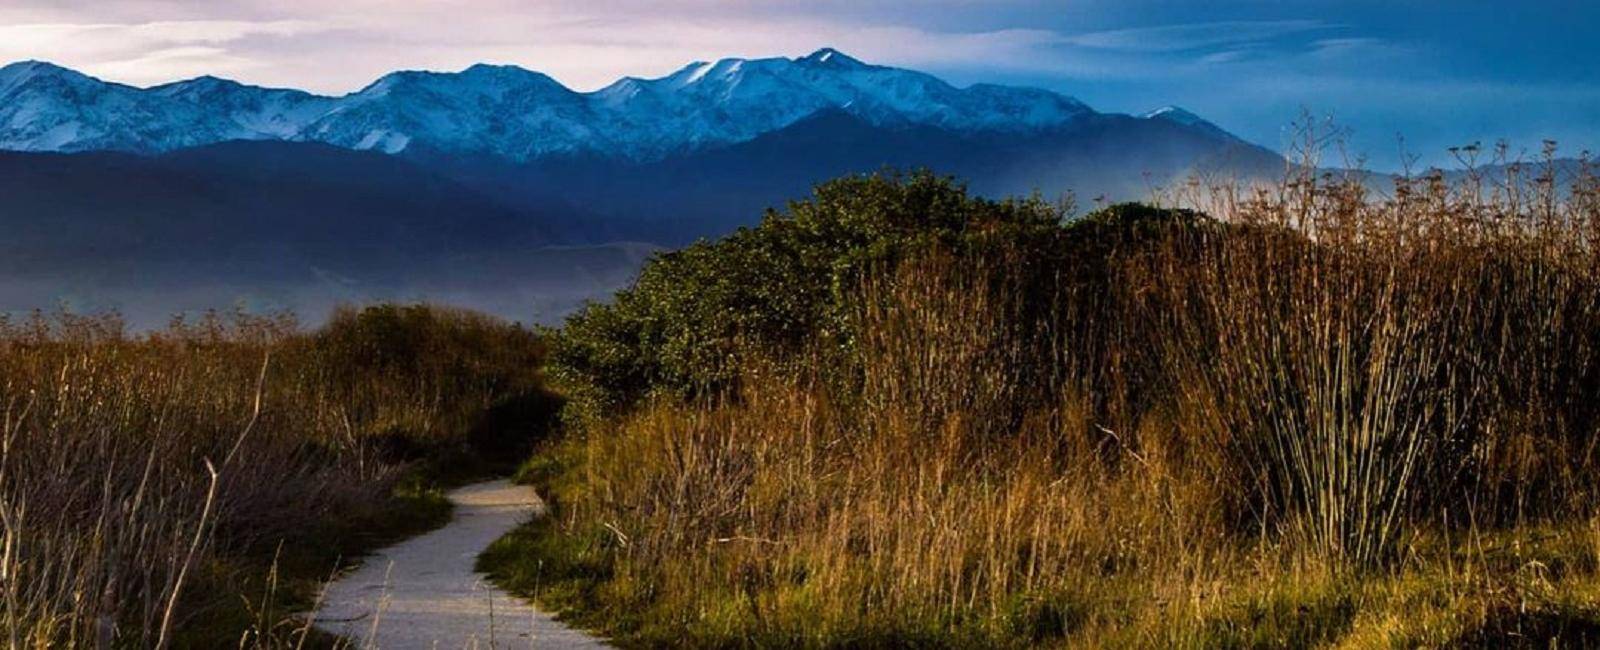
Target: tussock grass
191 487
1309 416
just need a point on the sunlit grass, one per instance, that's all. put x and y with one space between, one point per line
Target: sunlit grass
194 487
1322 418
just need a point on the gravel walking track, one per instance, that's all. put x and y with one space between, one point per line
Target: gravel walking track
424 594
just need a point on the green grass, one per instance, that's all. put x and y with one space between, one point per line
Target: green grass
254 594
900 415
1531 587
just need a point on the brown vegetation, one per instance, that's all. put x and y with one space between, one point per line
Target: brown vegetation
1321 418
156 490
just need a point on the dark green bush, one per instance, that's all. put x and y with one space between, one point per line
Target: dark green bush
688 323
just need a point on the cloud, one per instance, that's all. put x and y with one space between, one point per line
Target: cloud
585 43
115 36
177 62
1192 36
149 51
1230 56
589 50
222 31
582 45
1350 49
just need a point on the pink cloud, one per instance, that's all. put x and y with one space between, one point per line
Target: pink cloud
583 44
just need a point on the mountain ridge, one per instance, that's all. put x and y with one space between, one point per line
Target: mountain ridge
496 186
512 112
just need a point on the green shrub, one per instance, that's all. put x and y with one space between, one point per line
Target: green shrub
689 324
1312 421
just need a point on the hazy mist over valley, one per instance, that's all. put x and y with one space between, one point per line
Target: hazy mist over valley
190 195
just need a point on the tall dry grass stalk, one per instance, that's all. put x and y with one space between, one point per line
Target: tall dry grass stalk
1112 435
138 475
1383 360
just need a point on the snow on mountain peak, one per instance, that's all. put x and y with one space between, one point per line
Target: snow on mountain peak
1175 114
33 66
694 72
506 73
831 57
45 107
1178 115
207 86
14 76
207 81
515 113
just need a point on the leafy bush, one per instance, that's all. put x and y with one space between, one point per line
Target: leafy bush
697 316
1320 418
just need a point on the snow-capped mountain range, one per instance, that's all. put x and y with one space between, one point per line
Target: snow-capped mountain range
496 187
519 115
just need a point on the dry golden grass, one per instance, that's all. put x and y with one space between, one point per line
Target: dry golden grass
155 490
1322 419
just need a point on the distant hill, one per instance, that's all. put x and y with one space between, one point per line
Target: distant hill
690 154
518 115
278 225
423 176
710 192
252 206
509 112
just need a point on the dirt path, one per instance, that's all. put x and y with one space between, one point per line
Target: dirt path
423 592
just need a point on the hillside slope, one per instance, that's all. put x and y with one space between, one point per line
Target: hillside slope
280 225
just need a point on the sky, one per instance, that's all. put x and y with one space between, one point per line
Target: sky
1401 81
